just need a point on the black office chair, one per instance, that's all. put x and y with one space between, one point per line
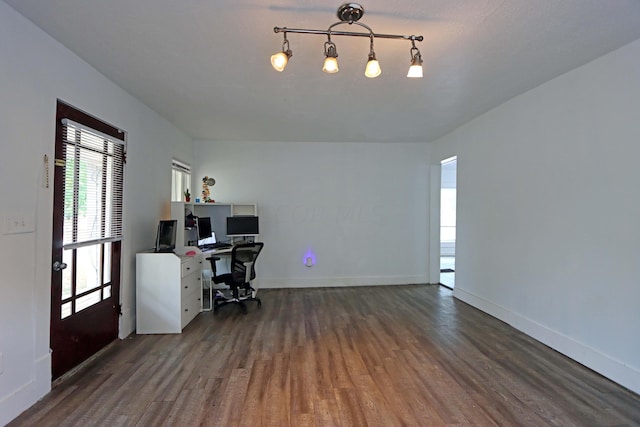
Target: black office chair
243 260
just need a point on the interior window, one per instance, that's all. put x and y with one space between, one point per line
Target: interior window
180 180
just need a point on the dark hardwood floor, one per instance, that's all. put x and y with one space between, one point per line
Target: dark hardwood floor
376 356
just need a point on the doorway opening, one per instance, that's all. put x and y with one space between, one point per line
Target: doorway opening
448 197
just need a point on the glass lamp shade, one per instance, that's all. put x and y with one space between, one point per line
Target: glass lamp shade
279 61
330 65
373 69
415 71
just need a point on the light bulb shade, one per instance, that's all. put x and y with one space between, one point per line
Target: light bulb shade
415 71
373 69
330 65
279 61
330 61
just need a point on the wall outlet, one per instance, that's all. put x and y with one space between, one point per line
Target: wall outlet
15 224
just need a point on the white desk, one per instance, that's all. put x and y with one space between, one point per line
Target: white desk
217 251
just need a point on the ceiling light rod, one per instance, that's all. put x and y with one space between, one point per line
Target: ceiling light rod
330 32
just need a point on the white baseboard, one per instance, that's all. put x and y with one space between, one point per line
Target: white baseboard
29 393
330 282
617 371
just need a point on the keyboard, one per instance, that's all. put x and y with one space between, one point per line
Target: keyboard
218 245
221 245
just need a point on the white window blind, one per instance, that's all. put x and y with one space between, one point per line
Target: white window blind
94 171
180 180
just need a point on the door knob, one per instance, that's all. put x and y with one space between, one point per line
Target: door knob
58 266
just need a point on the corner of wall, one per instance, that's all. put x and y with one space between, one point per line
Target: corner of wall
127 324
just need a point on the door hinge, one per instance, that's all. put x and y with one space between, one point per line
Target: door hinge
119 309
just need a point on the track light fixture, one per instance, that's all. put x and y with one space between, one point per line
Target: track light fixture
330 65
348 13
373 66
279 60
415 70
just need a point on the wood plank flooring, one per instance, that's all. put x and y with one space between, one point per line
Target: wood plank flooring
370 356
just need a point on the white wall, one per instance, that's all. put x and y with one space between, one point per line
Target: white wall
362 209
35 71
549 209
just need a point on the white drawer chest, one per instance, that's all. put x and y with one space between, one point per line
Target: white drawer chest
168 292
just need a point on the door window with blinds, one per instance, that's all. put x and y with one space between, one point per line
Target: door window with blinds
93 187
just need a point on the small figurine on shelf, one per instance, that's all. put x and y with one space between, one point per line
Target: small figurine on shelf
206 194
187 195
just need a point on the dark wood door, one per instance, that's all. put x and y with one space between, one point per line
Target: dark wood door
85 278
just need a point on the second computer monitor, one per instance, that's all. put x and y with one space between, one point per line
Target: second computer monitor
242 225
204 228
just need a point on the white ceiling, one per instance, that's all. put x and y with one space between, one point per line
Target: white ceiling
204 65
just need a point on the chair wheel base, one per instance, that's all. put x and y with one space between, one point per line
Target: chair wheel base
241 303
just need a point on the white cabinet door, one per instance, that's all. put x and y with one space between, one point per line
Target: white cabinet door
168 292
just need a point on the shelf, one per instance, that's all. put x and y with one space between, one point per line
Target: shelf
218 212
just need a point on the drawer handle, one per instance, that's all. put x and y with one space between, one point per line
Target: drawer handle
186 309
186 287
188 268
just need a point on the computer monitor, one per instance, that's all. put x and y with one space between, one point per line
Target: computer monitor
166 235
204 228
242 225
